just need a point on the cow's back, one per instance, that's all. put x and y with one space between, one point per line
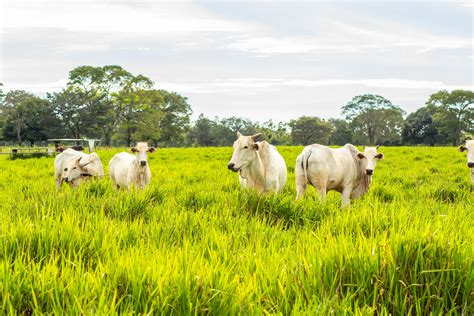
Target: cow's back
275 162
63 159
335 166
280 167
95 167
119 167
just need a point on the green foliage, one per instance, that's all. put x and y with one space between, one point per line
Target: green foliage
455 113
27 117
420 127
220 132
342 133
308 130
374 119
195 243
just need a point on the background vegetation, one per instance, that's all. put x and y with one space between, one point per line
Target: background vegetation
194 242
120 108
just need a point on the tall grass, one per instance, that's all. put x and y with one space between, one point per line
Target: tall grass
195 243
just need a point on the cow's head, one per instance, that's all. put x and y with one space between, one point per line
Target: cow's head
469 147
141 151
77 169
371 155
245 151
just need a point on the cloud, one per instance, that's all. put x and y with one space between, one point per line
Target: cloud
354 36
255 85
157 19
36 88
247 85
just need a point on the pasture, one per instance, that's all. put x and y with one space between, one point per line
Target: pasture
195 243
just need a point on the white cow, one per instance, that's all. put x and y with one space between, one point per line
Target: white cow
259 164
126 169
470 158
74 166
344 169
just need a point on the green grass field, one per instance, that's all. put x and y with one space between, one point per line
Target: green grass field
195 243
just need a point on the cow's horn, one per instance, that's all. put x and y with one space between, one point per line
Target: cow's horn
85 163
256 136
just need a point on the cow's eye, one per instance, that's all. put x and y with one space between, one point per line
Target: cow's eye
246 147
65 169
74 168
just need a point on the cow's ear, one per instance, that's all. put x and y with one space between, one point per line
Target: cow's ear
134 149
238 134
78 160
151 149
255 146
360 156
462 148
379 156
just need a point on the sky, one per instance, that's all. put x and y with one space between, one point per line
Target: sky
255 59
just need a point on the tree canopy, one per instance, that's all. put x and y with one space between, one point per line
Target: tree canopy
121 108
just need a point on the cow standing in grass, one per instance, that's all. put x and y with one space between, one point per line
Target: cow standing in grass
73 167
126 169
259 164
344 169
470 158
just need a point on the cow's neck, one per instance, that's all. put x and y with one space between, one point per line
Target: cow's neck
255 172
141 173
363 184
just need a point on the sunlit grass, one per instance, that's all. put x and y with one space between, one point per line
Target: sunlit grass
194 242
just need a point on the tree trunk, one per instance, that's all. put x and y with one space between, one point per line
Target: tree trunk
18 133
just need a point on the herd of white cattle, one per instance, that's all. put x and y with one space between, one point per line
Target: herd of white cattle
260 167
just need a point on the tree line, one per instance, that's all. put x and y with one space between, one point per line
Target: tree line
120 108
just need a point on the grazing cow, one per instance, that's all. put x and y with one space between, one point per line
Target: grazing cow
470 158
344 169
60 149
74 166
126 169
259 164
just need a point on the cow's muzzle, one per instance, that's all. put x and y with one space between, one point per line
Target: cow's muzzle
66 179
231 166
143 163
470 164
369 172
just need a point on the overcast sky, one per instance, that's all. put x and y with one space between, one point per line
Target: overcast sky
261 60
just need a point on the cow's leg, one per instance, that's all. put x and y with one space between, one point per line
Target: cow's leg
59 182
114 183
321 186
472 181
346 197
301 181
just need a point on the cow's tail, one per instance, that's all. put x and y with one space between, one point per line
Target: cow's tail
303 162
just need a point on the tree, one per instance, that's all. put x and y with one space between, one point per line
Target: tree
15 113
374 117
77 117
456 112
2 112
342 132
175 113
276 134
201 133
28 117
97 87
420 127
308 130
